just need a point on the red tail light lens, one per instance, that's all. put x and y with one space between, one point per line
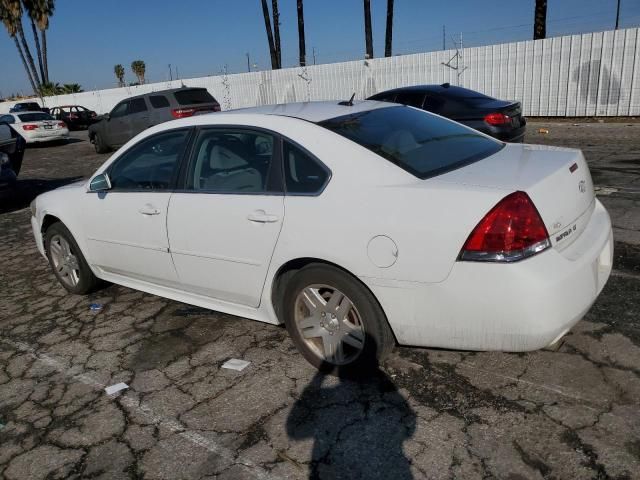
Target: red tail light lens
62 124
496 118
29 126
183 112
511 231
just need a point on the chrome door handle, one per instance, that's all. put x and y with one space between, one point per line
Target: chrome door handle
260 216
149 209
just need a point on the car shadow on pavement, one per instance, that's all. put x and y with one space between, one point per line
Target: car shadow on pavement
358 426
21 194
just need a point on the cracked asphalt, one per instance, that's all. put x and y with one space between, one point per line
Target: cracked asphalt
572 413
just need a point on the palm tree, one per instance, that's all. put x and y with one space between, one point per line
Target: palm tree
388 38
267 26
301 46
10 21
39 12
119 71
368 38
138 67
49 89
276 30
71 88
540 20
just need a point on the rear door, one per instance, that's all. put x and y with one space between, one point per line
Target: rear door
138 116
224 226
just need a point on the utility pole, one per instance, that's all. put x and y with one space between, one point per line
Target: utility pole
248 63
170 73
444 39
314 55
618 15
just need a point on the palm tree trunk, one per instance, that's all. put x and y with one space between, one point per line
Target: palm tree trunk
388 38
27 52
301 46
44 55
540 20
367 29
267 26
26 67
276 30
38 51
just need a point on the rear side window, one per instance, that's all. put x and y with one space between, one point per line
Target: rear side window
302 173
34 117
413 99
193 96
137 105
420 143
159 101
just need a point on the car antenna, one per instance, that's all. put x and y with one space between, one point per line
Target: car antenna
348 103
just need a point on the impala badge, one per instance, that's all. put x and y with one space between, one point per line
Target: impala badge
582 186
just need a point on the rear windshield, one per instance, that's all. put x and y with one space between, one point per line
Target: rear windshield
34 117
421 143
193 96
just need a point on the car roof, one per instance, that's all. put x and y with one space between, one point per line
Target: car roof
162 92
445 87
313 111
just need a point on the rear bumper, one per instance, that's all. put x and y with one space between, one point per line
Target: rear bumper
62 134
509 307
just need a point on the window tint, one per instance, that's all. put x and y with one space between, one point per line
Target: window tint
434 103
34 117
231 161
119 110
413 99
302 173
150 164
193 96
159 101
7 119
421 143
137 105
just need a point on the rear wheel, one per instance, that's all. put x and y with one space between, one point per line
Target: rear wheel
335 321
67 262
99 144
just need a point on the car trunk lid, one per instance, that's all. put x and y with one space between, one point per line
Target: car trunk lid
556 179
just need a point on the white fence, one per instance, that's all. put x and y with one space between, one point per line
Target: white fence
593 74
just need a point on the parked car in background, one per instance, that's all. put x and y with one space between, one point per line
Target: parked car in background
11 154
27 107
36 127
499 118
356 224
75 116
135 114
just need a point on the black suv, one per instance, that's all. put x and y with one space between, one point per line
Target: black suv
135 114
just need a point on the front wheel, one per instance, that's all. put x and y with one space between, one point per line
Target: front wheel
335 321
67 262
99 144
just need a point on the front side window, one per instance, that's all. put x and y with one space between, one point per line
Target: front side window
232 161
137 105
150 164
302 173
416 141
120 110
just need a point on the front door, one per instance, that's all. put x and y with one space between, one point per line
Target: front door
126 227
118 127
224 227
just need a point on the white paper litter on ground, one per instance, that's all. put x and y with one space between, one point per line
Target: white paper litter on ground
116 388
236 364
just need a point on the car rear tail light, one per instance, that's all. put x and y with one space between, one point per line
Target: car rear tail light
511 231
216 108
29 126
496 118
62 124
183 112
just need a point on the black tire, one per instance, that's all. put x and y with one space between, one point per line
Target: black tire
99 144
87 281
378 338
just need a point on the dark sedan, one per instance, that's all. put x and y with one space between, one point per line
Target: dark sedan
499 118
75 116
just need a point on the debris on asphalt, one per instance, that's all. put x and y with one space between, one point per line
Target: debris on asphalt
605 190
95 307
236 364
116 388
543 130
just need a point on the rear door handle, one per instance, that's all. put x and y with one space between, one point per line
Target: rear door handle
149 209
260 216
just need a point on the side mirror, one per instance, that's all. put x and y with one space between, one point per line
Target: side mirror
100 183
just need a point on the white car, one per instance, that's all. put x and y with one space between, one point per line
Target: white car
359 225
36 127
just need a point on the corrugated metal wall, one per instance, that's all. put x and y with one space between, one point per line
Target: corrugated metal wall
593 74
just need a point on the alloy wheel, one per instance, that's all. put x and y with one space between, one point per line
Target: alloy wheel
64 261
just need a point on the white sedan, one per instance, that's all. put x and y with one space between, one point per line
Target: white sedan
358 225
36 127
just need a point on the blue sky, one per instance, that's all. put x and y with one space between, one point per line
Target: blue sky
87 38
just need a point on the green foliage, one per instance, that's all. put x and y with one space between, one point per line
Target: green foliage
138 68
